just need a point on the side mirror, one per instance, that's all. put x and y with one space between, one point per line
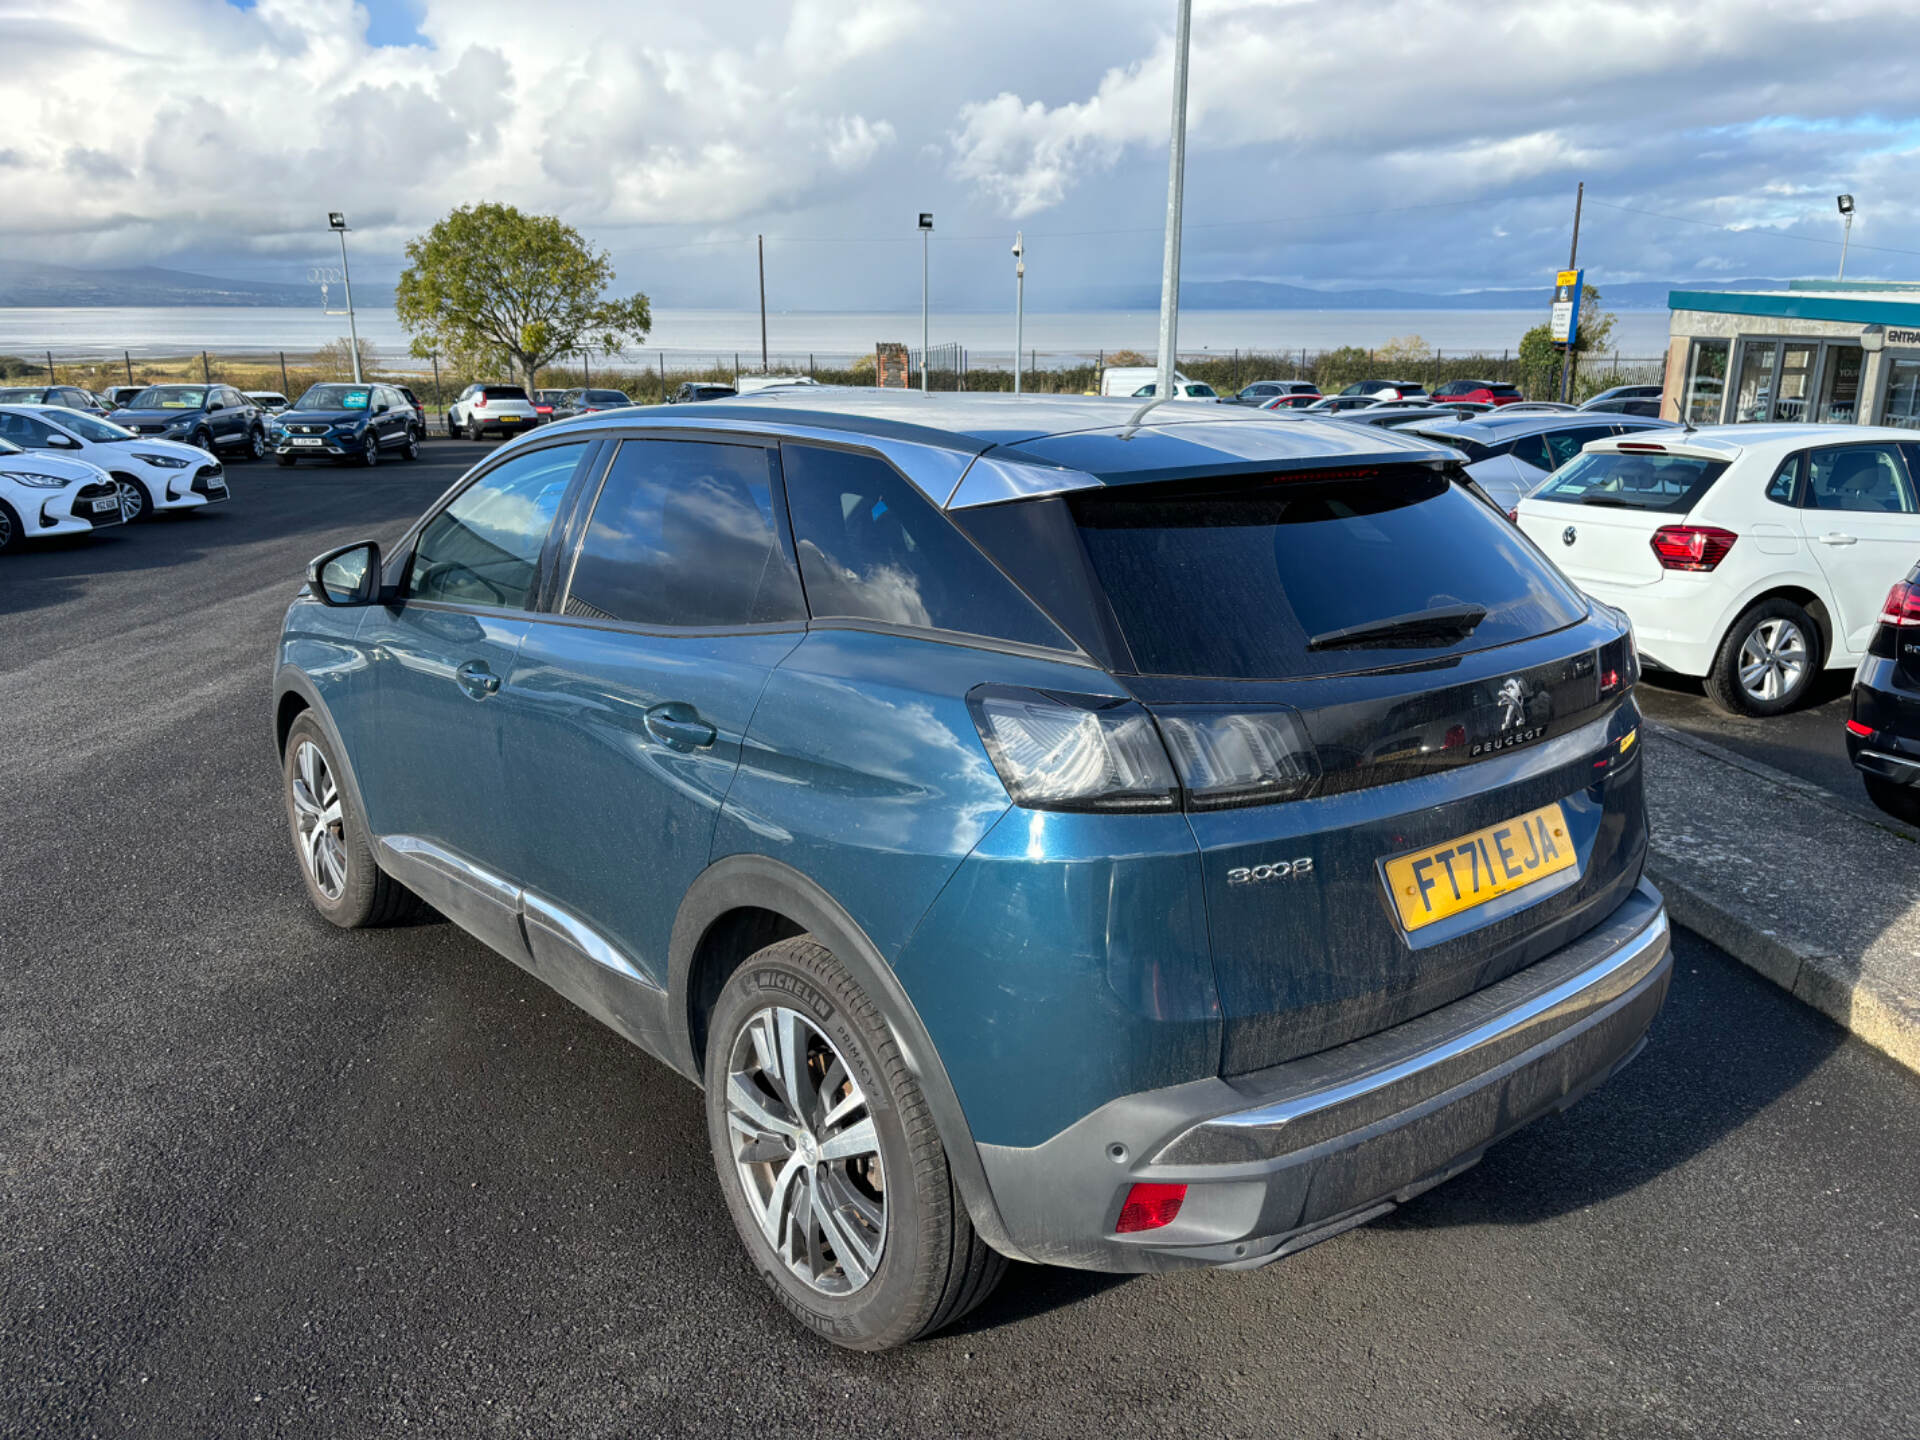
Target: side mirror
62 442
347 576
381 408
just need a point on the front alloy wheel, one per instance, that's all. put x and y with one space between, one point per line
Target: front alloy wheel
806 1152
256 443
319 821
133 499
203 440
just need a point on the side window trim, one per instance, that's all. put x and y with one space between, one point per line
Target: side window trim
1796 487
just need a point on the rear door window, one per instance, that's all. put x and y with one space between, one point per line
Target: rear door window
1869 478
484 548
872 547
1670 484
1563 445
1238 581
685 534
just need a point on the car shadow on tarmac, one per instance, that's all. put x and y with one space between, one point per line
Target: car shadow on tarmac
55 570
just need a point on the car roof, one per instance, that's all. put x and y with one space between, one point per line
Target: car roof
978 449
1729 442
1497 425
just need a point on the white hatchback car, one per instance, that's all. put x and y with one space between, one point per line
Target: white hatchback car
1752 556
504 409
151 474
42 496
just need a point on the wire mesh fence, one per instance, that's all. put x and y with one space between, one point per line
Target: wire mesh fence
651 374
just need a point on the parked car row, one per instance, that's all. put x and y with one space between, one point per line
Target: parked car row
499 408
66 472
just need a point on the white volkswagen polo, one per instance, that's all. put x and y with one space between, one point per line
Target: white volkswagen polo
42 496
150 474
1751 556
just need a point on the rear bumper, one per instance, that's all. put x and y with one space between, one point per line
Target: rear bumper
1892 752
1677 620
1279 1159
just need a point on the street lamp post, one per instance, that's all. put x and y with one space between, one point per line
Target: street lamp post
338 223
926 231
1846 215
1019 302
1176 190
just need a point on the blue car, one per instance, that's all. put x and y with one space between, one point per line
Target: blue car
1043 836
347 424
209 417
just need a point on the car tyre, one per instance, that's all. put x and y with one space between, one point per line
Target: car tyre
256 444
1900 801
370 452
330 837
135 504
908 1260
474 432
10 532
1768 661
203 440
453 429
410 450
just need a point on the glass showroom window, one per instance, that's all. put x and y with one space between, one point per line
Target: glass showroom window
1840 386
1903 395
1706 382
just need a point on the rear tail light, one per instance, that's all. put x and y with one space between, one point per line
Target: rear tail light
479 402
1246 757
1902 607
1150 1207
1057 751
1691 547
1854 727
1074 752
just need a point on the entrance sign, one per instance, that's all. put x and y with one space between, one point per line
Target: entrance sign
1565 326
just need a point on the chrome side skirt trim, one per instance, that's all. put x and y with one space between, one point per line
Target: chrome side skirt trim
547 924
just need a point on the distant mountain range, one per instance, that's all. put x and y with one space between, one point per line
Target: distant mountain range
1266 295
27 283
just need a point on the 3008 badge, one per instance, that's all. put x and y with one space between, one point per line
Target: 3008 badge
1273 870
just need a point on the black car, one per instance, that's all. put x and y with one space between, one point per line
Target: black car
360 423
71 396
1883 733
582 401
1625 405
694 391
419 411
213 417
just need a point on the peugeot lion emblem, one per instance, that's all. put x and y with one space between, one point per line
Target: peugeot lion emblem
1513 704
1569 535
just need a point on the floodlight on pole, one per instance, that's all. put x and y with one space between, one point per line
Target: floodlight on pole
1845 202
1019 302
337 222
926 233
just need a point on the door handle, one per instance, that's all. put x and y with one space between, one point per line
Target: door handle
477 680
679 725
1835 537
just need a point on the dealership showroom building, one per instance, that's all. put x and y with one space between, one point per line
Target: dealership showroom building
1836 352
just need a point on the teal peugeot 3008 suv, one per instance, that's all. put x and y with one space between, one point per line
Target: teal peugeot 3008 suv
1044 836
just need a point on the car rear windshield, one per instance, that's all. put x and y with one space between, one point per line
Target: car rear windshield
503 392
1671 484
1235 581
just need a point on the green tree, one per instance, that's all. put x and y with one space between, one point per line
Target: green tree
490 284
1540 357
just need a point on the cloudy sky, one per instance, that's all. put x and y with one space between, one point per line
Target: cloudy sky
1421 145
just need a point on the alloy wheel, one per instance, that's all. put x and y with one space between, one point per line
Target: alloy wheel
6 528
132 501
256 444
1773 660
321 820
806 1151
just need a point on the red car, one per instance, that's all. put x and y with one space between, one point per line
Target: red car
1487 392
1300 400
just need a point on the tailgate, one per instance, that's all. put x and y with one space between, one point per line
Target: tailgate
1420 870
1595 543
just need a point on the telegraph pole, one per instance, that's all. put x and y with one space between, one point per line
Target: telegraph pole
1573 263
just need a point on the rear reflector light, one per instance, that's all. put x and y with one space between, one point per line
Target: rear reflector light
1902 607
1691 547
1057 751
1244 757
1854 727
1149 1207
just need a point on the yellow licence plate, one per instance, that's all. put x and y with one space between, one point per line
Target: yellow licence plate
1442 880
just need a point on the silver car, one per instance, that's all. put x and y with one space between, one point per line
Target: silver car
1509 455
